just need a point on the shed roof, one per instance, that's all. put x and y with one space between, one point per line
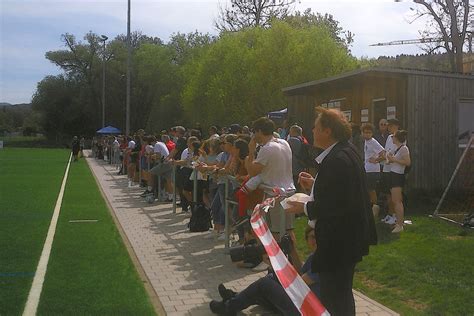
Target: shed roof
388 70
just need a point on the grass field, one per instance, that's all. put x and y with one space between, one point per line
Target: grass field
426 270
89 271
29 185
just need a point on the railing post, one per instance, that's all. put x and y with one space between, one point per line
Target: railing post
174 188
195 186
282 219
159 187
139 169
226 213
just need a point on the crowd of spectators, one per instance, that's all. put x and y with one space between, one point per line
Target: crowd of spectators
253 156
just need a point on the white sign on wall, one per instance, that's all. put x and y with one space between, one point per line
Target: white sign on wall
364 115
348 115
391 112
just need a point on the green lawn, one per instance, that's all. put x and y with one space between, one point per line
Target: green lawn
426 270
29 186
89 271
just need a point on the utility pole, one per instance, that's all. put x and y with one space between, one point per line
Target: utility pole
104 38
129 57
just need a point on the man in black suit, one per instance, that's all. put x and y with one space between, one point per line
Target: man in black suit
340 205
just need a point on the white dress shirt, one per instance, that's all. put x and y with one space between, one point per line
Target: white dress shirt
319 160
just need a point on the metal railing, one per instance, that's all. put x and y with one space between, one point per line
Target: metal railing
268 192
229 201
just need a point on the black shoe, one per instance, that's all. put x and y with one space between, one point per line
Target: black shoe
225 293
145 193
220 308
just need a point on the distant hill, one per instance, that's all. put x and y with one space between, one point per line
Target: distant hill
434 62
17 106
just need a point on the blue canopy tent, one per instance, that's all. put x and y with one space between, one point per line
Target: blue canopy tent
278 116
108 130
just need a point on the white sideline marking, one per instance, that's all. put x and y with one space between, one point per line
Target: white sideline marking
83 220
37 286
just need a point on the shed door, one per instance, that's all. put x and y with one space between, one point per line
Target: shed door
465 119
379 110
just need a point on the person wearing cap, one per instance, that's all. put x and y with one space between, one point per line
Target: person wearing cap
235 129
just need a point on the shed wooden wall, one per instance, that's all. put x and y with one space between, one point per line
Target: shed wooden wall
358 92
433 127
426 105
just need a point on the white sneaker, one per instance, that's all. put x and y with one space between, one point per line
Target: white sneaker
386 218
221 237
392 220
375 210
397 229
261 267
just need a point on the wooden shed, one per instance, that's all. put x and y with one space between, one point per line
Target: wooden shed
434 107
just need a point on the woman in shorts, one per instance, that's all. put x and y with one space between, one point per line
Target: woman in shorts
399 160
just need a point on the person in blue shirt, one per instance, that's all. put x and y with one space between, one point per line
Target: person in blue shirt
267 291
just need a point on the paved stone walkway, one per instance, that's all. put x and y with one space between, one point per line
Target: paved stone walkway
183 268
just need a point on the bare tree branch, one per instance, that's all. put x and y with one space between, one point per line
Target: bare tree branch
247 13
449 21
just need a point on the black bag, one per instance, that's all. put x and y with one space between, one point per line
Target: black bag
200 218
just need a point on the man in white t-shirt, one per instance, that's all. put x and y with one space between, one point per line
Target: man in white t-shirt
157 152
372 150
160 150
273 163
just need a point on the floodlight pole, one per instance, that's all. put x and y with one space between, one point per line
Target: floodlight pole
104 39
129 57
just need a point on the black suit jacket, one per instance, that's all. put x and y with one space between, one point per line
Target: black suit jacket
344 221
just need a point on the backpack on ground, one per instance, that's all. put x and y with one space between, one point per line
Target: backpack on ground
200 218
468 221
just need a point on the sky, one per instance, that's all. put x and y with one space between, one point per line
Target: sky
30 28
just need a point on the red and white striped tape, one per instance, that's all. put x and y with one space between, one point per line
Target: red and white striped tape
300 294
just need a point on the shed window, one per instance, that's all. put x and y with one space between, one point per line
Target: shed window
465 120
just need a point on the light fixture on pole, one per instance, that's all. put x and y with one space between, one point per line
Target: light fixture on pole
129 57
104 38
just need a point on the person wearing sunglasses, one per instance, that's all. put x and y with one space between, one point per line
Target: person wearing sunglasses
382 132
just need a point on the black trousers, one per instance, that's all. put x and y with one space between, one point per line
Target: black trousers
336 291
266 292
